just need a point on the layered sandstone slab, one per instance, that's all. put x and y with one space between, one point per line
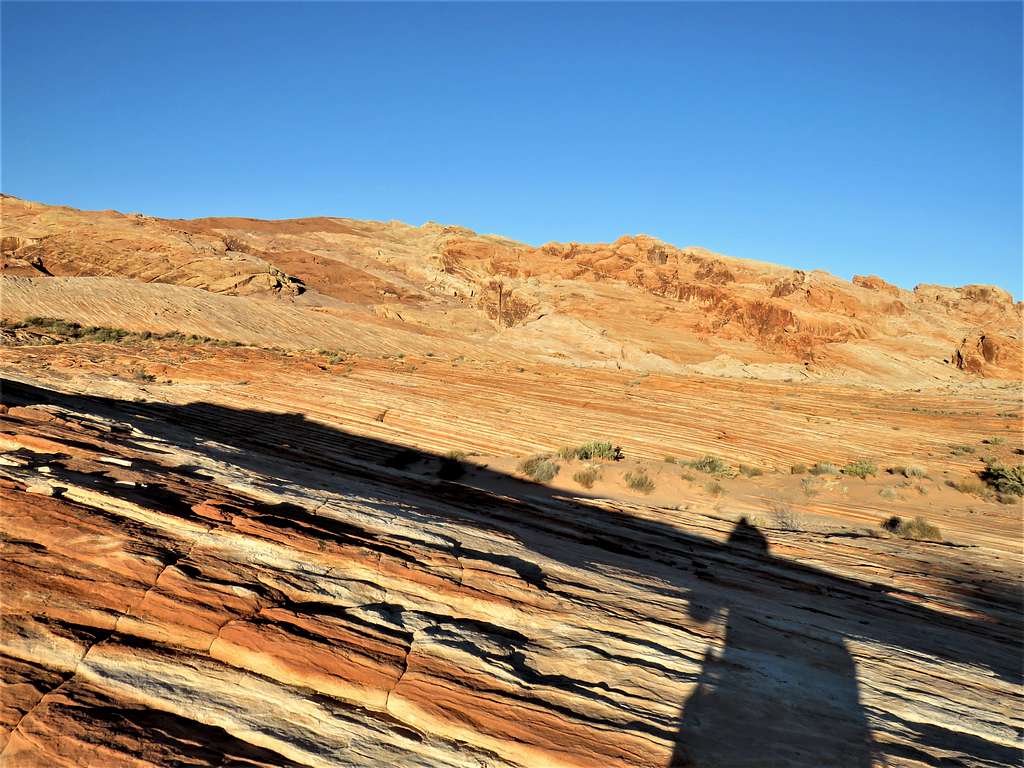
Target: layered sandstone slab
215 584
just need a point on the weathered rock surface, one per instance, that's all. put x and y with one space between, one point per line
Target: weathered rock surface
687 306
217 584
319 548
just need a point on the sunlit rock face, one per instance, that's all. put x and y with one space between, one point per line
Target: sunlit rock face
266 501
208 585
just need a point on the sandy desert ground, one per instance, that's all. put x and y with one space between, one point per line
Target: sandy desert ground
265 503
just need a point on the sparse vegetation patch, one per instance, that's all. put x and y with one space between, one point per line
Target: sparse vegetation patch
62 331
710 465
823 468
1004 479
639 481
452 467
714 487
918 528
861 468
595 449
587 477
784 515
909 471
539 468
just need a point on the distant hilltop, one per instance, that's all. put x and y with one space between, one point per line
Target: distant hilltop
635 303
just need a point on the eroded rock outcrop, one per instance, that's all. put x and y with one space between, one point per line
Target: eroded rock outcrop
213 585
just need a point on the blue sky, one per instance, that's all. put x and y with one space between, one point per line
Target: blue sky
858 138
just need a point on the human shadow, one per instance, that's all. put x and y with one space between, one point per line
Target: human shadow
751 702
774 695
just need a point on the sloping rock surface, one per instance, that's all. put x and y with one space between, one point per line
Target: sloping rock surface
210 585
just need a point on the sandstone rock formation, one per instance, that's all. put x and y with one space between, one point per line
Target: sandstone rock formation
248 525
210 585
688 306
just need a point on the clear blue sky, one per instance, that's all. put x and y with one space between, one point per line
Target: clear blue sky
857 138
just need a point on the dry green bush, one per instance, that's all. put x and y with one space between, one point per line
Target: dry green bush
784 515
639 481
823 468
710 465
540 468
714 487
595 449
861 468
1004 479
918 528
587 477
970 485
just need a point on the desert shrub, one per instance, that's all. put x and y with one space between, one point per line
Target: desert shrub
688 476
639 481
798 469
914 470
402 459
452 467
892 524
960 450
748 471
104 335
539 468
784 515
860 468
710 465
994 440
889 493
140 374
969 485
810 486
595 449
823 468
1004 479
918 528
670 459
714 487
587 477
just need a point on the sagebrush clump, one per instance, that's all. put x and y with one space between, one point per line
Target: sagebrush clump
861 468
710 465
595 449
1004 479
823 468
540 468
918 528
587 477
639 481
452 467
